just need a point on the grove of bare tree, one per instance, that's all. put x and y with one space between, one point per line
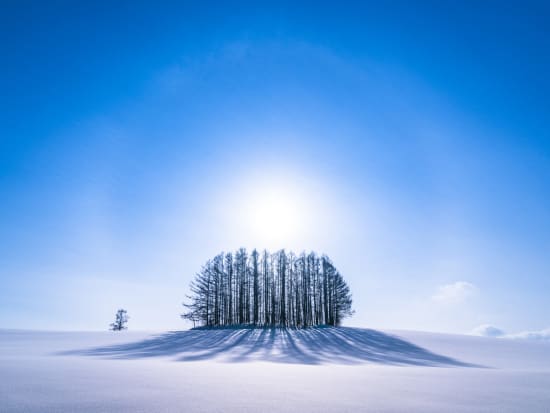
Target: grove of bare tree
263 289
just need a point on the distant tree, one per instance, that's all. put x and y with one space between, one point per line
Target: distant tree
121 319
280 289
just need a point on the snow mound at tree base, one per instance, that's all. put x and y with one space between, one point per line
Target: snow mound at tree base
316 345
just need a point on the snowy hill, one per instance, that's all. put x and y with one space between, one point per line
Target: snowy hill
235 370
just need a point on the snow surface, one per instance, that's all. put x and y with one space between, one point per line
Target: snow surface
262 370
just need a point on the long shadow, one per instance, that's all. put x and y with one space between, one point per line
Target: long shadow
319 345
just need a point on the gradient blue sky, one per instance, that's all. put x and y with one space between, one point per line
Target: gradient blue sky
409 142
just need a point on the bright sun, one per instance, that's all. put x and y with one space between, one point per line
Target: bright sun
276 217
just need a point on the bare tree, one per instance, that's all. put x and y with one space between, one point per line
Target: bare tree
121 318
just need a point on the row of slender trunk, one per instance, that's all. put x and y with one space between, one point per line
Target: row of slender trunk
264 289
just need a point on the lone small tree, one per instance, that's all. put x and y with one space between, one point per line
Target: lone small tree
121 319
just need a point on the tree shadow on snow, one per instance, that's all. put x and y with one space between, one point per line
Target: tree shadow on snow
319 345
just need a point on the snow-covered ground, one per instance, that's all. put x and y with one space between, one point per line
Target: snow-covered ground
245 370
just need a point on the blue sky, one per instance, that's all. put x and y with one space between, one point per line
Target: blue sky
410 143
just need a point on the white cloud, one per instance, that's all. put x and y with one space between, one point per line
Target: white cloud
532 335
487 330
454 293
